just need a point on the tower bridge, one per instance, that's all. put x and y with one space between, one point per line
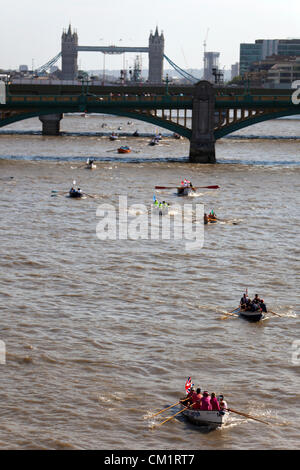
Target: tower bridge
70 49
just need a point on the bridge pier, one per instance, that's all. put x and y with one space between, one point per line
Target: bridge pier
202 143
51 123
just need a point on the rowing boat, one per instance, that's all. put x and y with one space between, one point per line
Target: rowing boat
75 194
90 166
254 316
212 418
210 220
161 210
124 149
185 190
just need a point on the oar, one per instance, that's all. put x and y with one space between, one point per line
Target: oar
58 193
165 409
171 417
247 416
274 313
192 187
89 195
229 314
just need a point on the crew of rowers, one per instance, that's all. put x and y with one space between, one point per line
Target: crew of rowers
75 191
186 183
252 305
160 205
211 217
198 401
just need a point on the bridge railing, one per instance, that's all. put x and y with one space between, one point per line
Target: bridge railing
148 101
155 100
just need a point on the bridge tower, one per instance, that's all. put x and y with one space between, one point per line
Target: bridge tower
69 53
156 57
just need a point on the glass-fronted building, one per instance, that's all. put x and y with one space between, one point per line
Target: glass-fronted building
262 48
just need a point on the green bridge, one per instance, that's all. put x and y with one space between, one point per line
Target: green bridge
201 113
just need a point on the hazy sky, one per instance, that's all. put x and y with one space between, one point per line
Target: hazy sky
30 30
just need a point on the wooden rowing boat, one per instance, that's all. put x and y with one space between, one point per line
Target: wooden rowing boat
91 166
254 316
124 150
185 190
75 194
214 419
210 220
161 210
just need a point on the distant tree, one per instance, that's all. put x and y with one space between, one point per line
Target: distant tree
238 80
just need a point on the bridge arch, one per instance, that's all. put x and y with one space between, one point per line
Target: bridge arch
222 132
146 117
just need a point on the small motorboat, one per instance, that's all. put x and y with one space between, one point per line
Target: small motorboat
154 142
214 419
177 136
124 149
113 136
249 315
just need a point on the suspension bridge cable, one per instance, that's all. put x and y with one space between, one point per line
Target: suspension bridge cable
49 64
182 72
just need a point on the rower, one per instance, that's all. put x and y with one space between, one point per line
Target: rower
263 306
215 405
256 299
222 403
205 404
243 300
205 219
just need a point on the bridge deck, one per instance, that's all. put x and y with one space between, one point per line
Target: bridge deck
156 101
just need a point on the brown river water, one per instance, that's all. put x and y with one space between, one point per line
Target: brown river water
101 334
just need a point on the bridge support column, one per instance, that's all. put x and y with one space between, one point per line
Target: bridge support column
51 123
202 144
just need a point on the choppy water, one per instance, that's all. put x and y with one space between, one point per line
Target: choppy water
101 334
